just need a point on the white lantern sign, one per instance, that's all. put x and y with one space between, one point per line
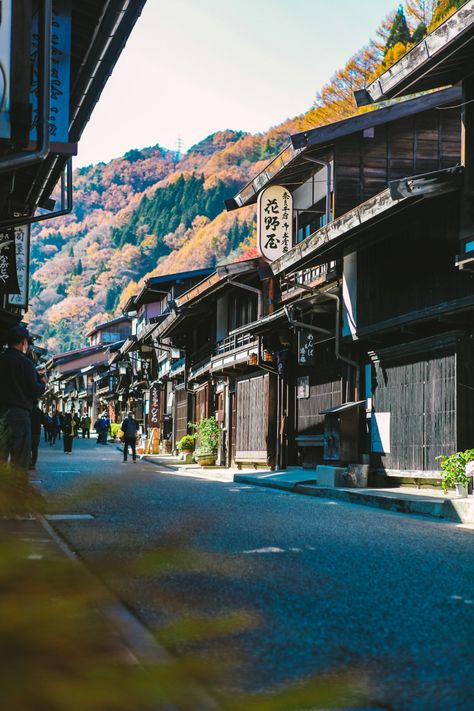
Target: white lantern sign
274 222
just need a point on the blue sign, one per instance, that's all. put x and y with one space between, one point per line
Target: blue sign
60 72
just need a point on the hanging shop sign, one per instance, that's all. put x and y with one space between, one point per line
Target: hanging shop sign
8 273
60 72
22 250
274 222
306 348
154 407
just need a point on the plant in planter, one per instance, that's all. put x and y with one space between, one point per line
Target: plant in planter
206 436
458 471
186 444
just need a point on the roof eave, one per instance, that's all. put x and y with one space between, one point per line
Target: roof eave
406 75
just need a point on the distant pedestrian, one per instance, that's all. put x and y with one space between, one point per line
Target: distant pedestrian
77 420
20 387
130 432
69 432
60 422
37 419
54 429
103 428
47 426
86 427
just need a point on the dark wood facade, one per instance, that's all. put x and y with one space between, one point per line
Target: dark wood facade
255 419
366 161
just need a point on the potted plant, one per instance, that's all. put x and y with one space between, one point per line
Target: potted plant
185 447
206 436
458 470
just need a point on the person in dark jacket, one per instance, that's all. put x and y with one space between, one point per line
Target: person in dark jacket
37 419
130 431
86 427
69 431
54 429
20 388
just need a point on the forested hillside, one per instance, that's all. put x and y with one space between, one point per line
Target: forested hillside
153 211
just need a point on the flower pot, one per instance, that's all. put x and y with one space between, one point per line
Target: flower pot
461 490
206 460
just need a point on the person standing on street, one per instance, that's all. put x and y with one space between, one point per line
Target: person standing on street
54 429
130 431
59 420
86 427
47 426
69 432
20 388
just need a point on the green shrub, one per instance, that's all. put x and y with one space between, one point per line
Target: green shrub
454 468
186 443
206 435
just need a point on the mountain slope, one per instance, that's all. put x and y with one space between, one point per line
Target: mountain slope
153 212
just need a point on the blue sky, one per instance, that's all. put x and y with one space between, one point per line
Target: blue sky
192 67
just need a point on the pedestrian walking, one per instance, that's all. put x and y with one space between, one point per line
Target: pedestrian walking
69 432
54 429
47 426
37 419
20 388
130 431
77 419
86 427
103 429
60 422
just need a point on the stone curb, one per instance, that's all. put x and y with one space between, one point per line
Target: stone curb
453 510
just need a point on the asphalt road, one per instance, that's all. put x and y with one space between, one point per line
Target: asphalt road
332 585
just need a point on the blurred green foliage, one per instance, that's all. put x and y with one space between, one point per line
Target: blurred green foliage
60 652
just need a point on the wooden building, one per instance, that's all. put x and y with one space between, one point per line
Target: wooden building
150 370
221 376
376 318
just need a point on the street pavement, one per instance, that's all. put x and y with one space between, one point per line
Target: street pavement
333 586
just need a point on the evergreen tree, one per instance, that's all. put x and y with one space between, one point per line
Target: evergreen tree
419 33
112 297
61 289
90 293
399 32
71 251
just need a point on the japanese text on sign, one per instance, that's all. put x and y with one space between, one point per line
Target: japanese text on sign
8 267
154 418
60 72
22 245
274 222
306 348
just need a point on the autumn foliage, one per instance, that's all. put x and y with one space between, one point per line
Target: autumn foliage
153 211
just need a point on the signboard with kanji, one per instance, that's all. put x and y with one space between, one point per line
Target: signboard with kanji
274 222
22 249
306 355
60 72
154 411
8 272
